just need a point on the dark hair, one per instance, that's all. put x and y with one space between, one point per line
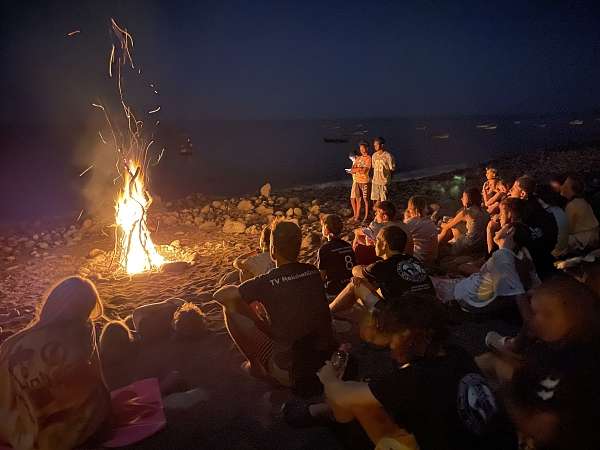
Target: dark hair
473 197
379 139
491 169
414 312
189 321
115 343
527 184
580 303
363 143
286 238
557 178
516 207
577 185
334 223
394 237
419 203
388 208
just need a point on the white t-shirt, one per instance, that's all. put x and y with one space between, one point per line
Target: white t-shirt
562 241
497 277
383 165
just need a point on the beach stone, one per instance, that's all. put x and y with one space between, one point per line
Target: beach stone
209 225
245 205
345 212
198 220
311 240
217 204
265 190
175 244
175 267
7 250
234 227
87 223
264 211
95 253
289 212
205 209
314 210
298 212
43 245
170 220
280 200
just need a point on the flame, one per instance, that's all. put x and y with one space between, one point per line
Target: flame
136 249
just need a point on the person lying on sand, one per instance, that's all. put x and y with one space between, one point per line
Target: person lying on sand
254 263
295 338
52 393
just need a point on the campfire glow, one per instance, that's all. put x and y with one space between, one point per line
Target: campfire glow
137 251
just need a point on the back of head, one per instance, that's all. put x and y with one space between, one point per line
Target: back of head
473 197
116 343
189 321
394 237
388 208
73 299
577 185
527 184
549 196
380 140
419 204
515 208
417 312
334 223
286 240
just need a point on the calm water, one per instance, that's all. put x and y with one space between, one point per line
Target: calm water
40 167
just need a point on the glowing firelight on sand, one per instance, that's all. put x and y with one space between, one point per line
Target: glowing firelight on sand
137 251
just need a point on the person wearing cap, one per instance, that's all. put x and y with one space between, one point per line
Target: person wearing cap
335 258
383 165
360 181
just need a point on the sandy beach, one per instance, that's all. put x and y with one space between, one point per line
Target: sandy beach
209 233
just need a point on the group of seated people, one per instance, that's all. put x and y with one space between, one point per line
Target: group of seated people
534 390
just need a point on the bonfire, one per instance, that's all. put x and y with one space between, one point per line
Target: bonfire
134 249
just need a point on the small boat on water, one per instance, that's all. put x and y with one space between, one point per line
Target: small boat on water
441 136
335 140
576 122
485 126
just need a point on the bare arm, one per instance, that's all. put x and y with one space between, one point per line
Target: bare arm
458 218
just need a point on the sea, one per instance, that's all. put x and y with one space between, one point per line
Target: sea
42 166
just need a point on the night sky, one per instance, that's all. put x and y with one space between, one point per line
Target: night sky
272 60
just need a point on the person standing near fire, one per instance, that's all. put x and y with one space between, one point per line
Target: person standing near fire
383 165
360 181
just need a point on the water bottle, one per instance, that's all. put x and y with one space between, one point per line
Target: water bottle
339 359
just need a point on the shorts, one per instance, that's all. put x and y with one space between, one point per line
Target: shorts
378 192
359 190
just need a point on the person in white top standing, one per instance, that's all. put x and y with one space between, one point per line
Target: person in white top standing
383 165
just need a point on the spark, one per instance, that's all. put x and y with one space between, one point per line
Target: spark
102 137
156 92
96 105
73 33
111 60
162 152
154 110
157 122
86 170
79 216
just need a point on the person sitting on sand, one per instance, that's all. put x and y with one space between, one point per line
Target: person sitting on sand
492 205
395 275
583 224
383 167
552 202
433 399
255 263
364 238
295 339
561 326
52 393
490 186
360 181
543 228
335 258
465 233
422 229
507 274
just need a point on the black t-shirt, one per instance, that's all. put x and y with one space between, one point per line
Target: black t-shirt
399 275
294 298
543 236
442 400
336 258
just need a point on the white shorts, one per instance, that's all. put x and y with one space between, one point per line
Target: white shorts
378 192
